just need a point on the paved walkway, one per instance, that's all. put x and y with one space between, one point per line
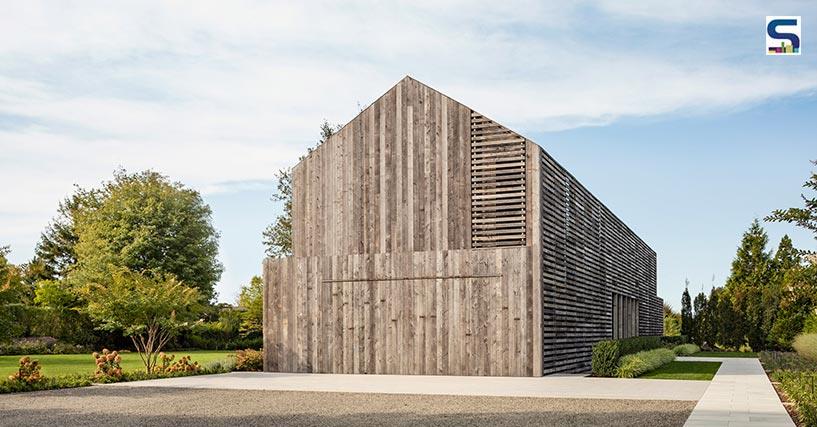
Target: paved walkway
739 395
569 386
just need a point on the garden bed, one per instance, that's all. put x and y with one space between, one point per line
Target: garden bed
82 364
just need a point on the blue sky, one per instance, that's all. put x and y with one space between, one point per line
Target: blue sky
668 111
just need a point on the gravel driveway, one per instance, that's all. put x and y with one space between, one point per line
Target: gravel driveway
131 406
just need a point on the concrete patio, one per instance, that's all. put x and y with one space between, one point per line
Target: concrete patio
739 395
568 386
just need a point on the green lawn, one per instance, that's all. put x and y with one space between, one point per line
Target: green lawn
677 370
65 364
744 354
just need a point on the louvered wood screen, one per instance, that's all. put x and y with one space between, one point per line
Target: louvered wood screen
497 185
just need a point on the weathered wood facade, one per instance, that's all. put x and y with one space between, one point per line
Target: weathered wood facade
428 239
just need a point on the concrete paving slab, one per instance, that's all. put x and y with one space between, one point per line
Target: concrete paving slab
569 386
739 395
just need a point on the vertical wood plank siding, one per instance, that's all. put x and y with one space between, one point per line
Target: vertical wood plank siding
394 179
587 253
461 312
507 263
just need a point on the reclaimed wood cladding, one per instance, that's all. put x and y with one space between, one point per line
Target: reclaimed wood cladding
394 179
498 184
587 253
459 312
391 195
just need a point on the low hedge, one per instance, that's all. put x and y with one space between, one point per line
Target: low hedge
671 341
633 365
46 383
685 349
22 347
606 353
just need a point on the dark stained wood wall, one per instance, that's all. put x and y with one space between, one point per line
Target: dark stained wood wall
461 312
394 179
587 254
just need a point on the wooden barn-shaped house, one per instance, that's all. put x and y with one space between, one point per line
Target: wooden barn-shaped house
428 239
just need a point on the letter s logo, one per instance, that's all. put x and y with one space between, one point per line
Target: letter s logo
785 41
772 30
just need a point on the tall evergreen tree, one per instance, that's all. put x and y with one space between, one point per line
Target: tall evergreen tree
785 260
710 333
749 276
55 253
731 328
687 326
699 332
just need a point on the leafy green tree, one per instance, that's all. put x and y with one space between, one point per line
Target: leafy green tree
251 300
687 322
798 304
277 237
11 290
672 321
749 276
805 217
55 253
147 224
148 309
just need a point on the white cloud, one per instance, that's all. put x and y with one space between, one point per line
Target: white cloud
218 94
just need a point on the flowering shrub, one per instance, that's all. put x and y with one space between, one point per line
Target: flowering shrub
249 360
182 365
28 372
107 364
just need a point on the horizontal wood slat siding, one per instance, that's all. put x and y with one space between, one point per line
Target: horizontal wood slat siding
340 314
587 253
498 185
394 179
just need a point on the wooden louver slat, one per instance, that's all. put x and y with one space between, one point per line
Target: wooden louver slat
497 184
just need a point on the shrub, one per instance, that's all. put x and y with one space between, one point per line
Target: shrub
182 365
778 360
218 367
633 365
685 349
606 353
107 364
806 345
800 387
604 360
46 383
249 360
40 345
28 372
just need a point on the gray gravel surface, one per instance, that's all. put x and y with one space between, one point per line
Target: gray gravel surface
148 406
